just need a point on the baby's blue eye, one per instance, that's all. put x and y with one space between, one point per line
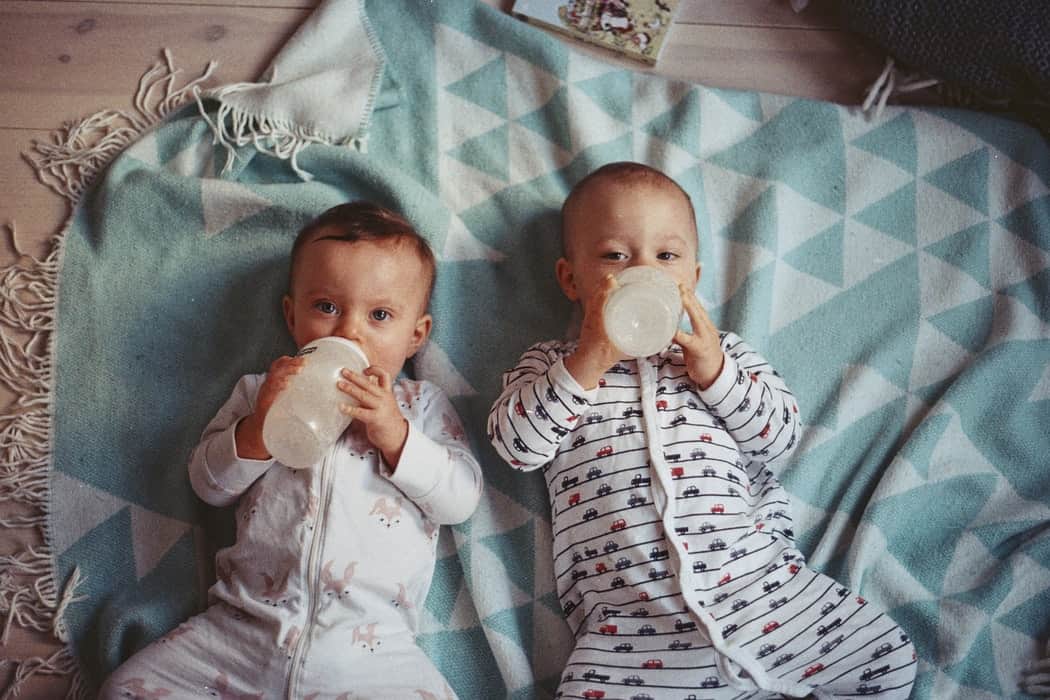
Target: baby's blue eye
380 314
667 255
325 307
614 256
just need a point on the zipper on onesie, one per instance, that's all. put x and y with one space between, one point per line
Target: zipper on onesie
313 575
728 655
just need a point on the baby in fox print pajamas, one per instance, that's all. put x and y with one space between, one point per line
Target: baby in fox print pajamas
673 550
319 596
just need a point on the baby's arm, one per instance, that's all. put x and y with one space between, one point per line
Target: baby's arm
218 474
739 387
540 404
436 468
758 409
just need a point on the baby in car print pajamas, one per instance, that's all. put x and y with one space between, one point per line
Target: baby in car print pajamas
673 549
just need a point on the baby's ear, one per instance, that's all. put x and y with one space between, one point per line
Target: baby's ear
420 333
566 278
288 307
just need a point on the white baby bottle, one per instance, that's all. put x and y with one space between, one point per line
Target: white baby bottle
304 420
642 314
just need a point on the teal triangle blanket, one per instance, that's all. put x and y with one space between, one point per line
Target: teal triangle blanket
895 270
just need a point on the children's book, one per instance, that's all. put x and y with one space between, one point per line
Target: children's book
634 28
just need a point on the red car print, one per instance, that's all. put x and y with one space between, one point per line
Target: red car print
643 596
607 629
605 451
754 376
706 437
592 694
793 568
815 668
759 526
861 601
765 431
770 626
718 508
618 525
519 408
725 579
574 499
661 405
600 567
601 381
653 663
677 472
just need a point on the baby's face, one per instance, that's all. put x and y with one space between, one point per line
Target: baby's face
614 227
370 292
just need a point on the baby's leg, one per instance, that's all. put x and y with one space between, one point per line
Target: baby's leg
846 646
215 654
661 666
397 669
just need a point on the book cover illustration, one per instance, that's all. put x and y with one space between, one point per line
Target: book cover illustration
634 28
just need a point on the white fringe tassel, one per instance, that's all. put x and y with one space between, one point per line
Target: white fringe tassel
80 150
234 128
29 596
891 82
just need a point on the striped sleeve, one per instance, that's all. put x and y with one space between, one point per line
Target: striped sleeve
538 407
758 409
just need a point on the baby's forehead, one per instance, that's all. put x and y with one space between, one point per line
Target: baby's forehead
396 253
395 249
590 201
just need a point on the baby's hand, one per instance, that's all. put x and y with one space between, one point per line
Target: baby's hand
377 408
248 434
702 349
595 353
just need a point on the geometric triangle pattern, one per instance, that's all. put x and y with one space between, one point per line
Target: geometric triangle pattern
485 87
893 215
895 270
224 204
966 179
894 141
821 256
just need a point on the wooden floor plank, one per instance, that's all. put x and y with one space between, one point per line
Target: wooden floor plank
818 64
820 14
65 60
815 63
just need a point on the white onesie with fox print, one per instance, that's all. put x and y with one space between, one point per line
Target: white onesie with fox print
320 595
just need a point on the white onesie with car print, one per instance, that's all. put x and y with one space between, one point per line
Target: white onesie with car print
673 550
320 595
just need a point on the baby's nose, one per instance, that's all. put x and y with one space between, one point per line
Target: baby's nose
350 328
